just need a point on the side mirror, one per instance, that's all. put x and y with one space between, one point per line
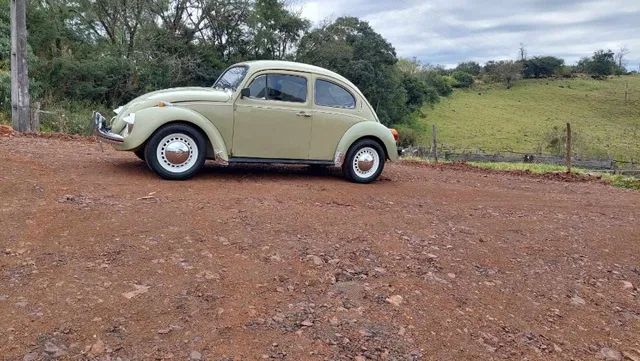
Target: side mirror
245 92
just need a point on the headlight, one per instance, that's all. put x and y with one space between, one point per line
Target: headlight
118 110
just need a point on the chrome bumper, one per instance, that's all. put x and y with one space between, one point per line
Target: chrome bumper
102 131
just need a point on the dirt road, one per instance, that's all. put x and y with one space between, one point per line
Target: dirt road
99 258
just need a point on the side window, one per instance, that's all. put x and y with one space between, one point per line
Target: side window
288 88
329 94
258 87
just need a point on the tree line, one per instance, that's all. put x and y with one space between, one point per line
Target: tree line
106 52
109 51
601 64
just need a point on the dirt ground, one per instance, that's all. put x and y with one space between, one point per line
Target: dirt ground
100 259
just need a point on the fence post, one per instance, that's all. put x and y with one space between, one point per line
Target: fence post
568 146
434 144
35 117
626 92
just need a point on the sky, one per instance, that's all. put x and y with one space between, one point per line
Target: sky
447 32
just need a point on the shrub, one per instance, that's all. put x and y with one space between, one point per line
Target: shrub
470 67
463 79
541 66
5 91
408 136
438 82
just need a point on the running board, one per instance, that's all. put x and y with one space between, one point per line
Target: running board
246 160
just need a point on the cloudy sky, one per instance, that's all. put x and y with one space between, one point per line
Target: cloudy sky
449 31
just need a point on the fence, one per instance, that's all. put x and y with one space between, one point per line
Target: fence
437 152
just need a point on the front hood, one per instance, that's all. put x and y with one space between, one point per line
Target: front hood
172 95
186 94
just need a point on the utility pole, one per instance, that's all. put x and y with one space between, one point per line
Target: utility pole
20 112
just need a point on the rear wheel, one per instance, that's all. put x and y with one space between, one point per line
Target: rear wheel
176 151
364 161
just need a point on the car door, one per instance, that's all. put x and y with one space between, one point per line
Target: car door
335 110
274 121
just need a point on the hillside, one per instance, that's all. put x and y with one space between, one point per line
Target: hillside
523 118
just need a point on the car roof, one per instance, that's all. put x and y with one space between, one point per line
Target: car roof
259 65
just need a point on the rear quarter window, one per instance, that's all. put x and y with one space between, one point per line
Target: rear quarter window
329 94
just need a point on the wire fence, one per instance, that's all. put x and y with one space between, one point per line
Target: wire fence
477 155
564 155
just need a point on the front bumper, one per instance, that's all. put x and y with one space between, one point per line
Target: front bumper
101 130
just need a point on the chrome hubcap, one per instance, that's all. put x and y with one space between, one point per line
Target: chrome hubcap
177 152
366 162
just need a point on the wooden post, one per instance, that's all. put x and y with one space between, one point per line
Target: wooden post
626 92
434 144
568 146
20 111
35 117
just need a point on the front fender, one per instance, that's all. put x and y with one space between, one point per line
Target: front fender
363 130
148 120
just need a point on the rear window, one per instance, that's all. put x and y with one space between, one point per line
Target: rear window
330 94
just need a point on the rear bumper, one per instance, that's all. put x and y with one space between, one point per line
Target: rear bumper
101 130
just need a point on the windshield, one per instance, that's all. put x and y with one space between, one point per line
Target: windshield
231 78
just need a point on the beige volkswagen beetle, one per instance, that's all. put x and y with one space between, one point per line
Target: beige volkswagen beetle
256 112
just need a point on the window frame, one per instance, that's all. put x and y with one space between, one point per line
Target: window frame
267 73
244 76
315 93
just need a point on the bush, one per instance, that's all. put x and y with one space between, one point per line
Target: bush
5 91
438 82
600 65
408 136
541 66
470 67
463 79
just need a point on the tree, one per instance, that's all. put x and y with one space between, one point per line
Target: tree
505 71
600 65
352 48
522 52
275 29
410 66
619 58
470 67
541 66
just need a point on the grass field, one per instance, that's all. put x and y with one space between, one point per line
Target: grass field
615 180
528 117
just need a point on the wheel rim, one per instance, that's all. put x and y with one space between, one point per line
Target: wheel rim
177 153
366 162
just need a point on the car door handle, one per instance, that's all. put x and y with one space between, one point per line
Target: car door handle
303 114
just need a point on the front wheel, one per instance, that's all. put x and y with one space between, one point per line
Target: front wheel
139 153
176 151
364 161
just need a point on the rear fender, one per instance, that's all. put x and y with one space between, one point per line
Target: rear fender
366 129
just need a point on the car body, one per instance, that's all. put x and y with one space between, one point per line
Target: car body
256 112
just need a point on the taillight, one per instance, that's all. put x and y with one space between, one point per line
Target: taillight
395 134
